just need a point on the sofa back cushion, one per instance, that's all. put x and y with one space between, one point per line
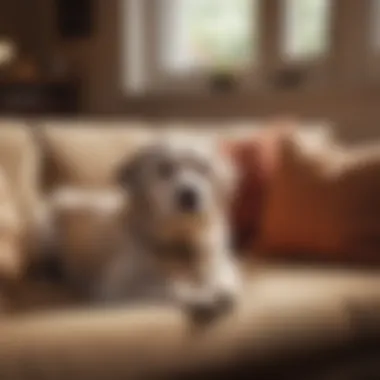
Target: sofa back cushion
19 195
87 153
21 162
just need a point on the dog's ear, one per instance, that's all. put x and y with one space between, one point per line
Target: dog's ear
126 174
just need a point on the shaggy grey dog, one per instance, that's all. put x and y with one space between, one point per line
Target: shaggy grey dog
176 240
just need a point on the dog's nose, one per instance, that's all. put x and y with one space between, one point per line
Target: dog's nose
188 199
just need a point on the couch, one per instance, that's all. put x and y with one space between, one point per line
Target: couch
295 321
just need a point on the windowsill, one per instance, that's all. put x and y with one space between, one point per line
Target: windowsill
312 89
318 101
249 82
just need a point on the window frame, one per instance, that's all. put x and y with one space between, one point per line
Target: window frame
323 72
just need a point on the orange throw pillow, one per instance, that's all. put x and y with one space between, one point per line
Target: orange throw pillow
255 161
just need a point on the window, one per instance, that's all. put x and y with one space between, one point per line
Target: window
174 45
177 42
207 34
306 29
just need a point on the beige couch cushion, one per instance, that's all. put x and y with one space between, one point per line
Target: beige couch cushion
20 189
88 153
11 233
20 159
88 225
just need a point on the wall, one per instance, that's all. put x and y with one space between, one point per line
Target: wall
28 25
15 25
31 24
98 61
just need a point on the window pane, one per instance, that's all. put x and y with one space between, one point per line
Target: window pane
306 34
208 33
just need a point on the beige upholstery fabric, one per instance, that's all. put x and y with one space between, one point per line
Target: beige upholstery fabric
20 159
90 228
285 315
87 154
20 193
11 233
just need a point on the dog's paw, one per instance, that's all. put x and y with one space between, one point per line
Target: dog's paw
201 311
226 281
203 305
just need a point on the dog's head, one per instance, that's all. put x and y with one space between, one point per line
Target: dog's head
178 185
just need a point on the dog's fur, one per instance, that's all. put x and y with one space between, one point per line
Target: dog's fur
164 253
320 199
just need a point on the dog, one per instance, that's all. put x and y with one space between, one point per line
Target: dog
318 199
173 233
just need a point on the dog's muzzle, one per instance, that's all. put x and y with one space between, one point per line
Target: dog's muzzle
188 200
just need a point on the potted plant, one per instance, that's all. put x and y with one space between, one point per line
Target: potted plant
223 78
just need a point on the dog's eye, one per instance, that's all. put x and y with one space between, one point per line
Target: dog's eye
165 170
